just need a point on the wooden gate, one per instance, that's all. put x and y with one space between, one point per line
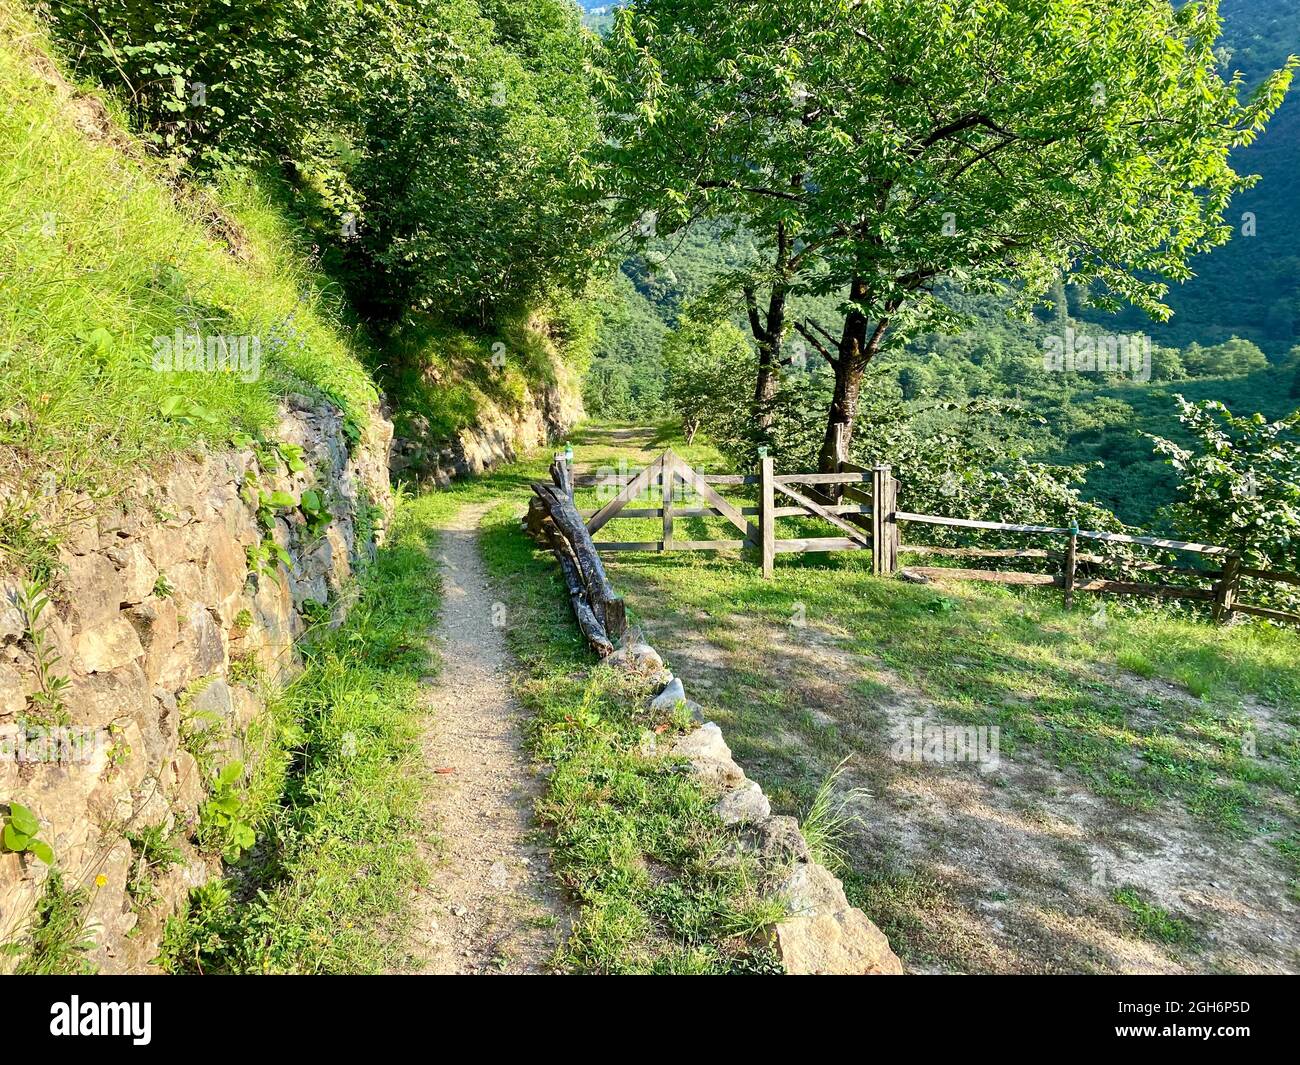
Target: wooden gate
855 516
665 473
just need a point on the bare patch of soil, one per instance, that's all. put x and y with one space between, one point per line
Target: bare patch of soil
1009 870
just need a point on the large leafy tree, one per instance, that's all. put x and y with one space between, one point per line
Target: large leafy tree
881 147
468 163
438 142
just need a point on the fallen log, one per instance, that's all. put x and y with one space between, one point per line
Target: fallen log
587 620
561 511
555 522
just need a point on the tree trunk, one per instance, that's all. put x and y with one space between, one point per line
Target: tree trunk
859 343
770 344
769 332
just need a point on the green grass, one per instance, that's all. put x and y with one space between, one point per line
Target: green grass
57 942
635 841
1047 677
101 255
328 886
1151 921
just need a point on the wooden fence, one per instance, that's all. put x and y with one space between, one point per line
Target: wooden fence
861 505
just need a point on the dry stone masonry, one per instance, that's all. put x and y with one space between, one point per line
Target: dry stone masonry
157 619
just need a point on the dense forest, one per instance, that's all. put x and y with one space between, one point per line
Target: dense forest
1232 336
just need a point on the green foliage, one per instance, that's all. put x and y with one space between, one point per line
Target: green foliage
874 173
238 81
1152 921
810 125
154 851
48 701
105 257
19 835
1239 485
224 821
467 163
316 511
708 369
1247 288
57 942
827 820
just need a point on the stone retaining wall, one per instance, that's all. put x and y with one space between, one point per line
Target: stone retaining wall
498 437
156 616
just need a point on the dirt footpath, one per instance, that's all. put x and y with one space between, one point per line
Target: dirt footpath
491 905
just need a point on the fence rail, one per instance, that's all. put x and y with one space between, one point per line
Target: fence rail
861 505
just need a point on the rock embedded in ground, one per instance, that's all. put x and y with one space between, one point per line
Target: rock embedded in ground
811 888
824 934
843 943
709 755
777 840
743 804
666 701
637 658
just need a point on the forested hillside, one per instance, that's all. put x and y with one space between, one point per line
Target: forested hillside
1247 288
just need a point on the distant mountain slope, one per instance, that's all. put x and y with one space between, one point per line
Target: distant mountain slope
1249 287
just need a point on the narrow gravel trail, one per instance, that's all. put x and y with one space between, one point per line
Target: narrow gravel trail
491 904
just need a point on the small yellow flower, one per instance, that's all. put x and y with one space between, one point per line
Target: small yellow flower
101 880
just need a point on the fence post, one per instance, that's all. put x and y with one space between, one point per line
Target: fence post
884 526
891 521
767 519
1071 557
1225 592
666 494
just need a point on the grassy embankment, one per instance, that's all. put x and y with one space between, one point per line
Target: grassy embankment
102 254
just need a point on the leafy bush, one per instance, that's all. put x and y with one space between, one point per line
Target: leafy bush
1239 487
241 80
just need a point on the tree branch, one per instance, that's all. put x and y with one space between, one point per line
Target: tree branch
802 329
757 190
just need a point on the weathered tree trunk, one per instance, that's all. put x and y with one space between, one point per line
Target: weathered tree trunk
769 330
556 522
859 344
